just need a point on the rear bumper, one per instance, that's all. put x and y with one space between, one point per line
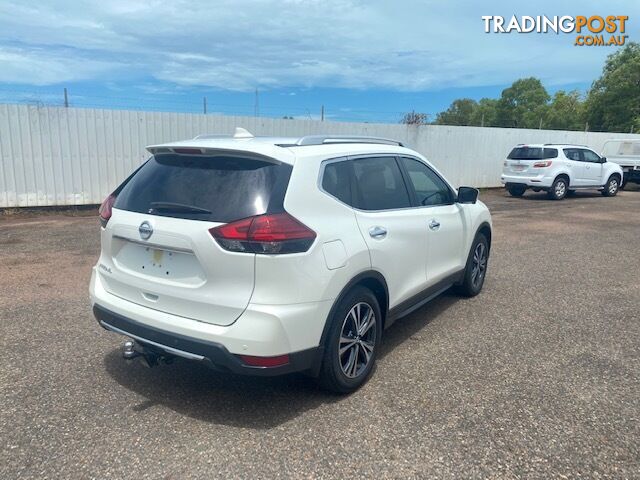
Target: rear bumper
261 331
215 355
540 181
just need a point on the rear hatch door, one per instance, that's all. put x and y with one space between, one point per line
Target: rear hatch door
157 248
522 158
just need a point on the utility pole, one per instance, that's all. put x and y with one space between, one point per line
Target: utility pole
256 108
322 113
540 126
482 121
204 105
66 98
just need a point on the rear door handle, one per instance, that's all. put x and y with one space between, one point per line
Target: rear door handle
434 224
378 232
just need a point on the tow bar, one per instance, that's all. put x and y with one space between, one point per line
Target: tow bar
147 356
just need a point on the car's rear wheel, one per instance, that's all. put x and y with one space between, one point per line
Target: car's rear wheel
516 190
476 268
352 342
558 189
611 187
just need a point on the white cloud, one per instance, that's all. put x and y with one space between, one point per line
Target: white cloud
411 45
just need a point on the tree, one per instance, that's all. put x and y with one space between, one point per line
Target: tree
485 113
566 111
459 113
613 103
523 104
415 118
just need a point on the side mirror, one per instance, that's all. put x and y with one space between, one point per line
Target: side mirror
603 159
467 195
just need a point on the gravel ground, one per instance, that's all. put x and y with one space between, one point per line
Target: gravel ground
537 377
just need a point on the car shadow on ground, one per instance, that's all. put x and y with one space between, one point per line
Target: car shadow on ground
529 195
261 403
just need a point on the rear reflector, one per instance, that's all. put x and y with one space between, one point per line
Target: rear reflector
268 234
265 361
105 209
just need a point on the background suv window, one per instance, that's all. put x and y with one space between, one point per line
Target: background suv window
589 156
429 187
573 154
379 184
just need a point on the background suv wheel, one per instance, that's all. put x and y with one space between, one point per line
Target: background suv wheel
516 190
611 187
558 189
352 342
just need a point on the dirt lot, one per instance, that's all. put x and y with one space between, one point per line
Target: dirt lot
538 377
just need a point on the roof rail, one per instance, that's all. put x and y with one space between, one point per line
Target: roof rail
570 144
329 139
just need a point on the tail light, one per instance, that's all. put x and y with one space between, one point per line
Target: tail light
268 234
543 164
265 361
105 209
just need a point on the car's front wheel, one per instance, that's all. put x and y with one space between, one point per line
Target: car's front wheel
476 267
352 342
611 187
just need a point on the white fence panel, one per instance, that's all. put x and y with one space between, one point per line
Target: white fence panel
72 156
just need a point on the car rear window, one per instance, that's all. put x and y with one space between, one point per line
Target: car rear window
207 188
532 153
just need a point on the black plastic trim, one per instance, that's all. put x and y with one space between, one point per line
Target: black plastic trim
412 304
215 355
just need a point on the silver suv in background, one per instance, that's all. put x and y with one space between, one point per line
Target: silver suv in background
559 170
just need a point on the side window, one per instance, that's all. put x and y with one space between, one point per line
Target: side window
379 184
590 156
336 180
429 187
573 154
550 153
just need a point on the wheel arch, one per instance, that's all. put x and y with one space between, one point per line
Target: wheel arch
563 175
370 279
485 229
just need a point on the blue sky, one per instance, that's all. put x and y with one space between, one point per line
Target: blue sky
363 60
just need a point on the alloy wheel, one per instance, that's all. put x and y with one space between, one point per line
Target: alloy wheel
479 265
357 339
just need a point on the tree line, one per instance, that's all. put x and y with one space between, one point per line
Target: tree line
611 104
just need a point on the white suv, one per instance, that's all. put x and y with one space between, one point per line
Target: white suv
559 170
273 255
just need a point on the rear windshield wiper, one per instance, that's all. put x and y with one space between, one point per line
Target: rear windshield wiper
176 207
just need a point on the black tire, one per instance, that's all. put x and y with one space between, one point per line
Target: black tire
332 371
516 190
472 284
612 186
559 189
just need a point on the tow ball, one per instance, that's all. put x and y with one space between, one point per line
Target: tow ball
148 357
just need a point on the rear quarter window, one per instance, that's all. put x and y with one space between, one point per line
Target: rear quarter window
214 188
